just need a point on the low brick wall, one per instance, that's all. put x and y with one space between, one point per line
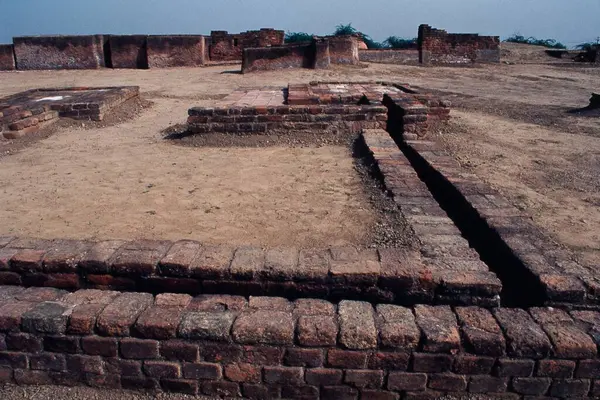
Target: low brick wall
389 56
129 51
7 57
436 46
229 47
413 113
166 51
278 57
346 119
264 347
343 50
59 52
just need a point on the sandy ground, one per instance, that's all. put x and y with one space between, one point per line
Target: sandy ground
511 128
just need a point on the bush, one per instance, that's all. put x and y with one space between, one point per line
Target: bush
550 43
344 30
588 45
297 37
396 42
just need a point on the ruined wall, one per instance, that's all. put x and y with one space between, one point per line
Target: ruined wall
437 46
175 51
278 57
229 47
389 56
343 50
7 57
129 51
59 52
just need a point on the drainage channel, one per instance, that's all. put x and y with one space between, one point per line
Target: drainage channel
520 287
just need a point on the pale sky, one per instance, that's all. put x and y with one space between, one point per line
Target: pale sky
569 21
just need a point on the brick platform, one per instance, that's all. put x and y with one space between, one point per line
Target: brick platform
29 111
264 347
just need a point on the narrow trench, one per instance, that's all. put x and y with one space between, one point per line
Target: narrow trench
520 288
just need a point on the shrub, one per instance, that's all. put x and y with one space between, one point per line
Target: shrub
550 43
343 30
297 37
396 42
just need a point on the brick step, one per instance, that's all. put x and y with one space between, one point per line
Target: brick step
30 124
390 275
265 347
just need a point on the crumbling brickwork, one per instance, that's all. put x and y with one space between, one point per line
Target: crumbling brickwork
437 46
343 50
59 52
175 51
229 47
7 57
389 56
129 51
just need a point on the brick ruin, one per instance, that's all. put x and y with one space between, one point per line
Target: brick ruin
7 57
29 111
437 46
483 304
229 47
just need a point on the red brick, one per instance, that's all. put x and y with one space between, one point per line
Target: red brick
439 327
139 349
357 325
280 264
27 261
64 255
13 359
162 369
261 392
11 312
364 378
487 384
316 331
338 393
531 386
61 344
173 300
588 369
99 346
118 317
473 365
480 331
300 392
202 371
180 386
102 381
139 258
179 350
124 367
243 373
219 302
506 367
247 262
406 381
313 307
368 394
347 359
323 376
24 342
212 263
28 377
525 338
158 322
179 258
88 364
396 360
423 362
206 326
570 388
555 368
397 327
448 382
137 384
221 353
221 389
46 317
268 327
97 259
283 375
296 357
6 375
38 295
262 355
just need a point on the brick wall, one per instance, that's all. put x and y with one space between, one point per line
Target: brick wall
7 57
229 47
343 49
436 46
389 56
129 51
278 57
265 347
175 51
59 52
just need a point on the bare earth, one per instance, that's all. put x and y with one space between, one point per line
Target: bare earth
510 127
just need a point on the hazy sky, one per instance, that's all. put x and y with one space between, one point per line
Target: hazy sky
570 21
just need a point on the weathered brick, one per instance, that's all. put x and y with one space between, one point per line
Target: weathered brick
221 389
267 327
139 383
124 367
570 388
447 382
440 331
480 331
313 265
300 392
89 364
531 386
27 261
11 313
338 393
588 369
61 344
487 384
347 359
158 322
6 375
173 300
397 327
316 331
260 392
48 362
179 350
555 368
364 378
29 377
212 263
524 337
270 303
180 386
206 326
38 294
90 296
568 340
280 264
247 262
473 365
13 359
221 353
179 258
63 255
394 360
97 259
242 373
221 302
423 362
162 369
139 348
357 325
262 355
202 371
296 357
506 367
313 307
368 394
323 376
139 258
283 375
119 316
99 346
47 317
24 342
83 318
355 272
9 292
